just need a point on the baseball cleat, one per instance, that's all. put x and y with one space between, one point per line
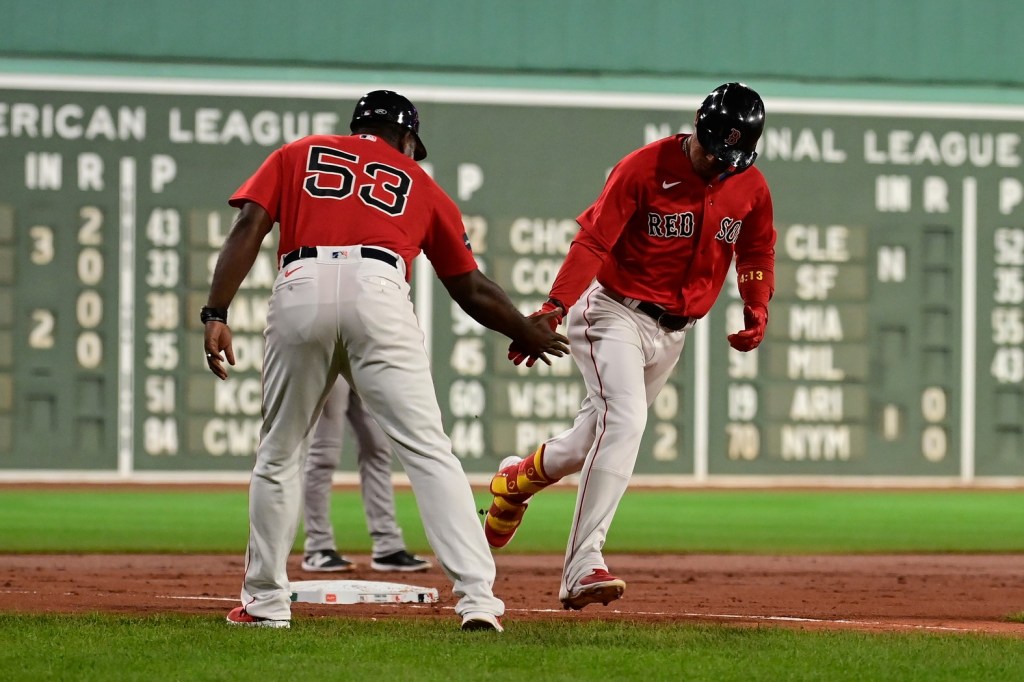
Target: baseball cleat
502 522
326 561
506 512
400 561
516 482
238 616
598 587
478 620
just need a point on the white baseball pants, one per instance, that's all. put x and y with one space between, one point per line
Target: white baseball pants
341 313
625 359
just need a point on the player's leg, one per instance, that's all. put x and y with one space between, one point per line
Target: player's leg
666 348
586 579
297 376
618 344
554 459
374 459
516 481
588 320
322 461
391 372
602 329
519 479
319 549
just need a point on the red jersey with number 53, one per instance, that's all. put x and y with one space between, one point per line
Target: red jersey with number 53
660 233
337 190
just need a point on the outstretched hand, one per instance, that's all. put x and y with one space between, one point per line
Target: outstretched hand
544 322
755 319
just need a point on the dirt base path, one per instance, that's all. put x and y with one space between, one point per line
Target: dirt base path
952 594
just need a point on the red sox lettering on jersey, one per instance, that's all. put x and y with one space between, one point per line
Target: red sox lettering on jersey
682 225
671 225
729 230
672 234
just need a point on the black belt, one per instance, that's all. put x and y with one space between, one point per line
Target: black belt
366 251
671 322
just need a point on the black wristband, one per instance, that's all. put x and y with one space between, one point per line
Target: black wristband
558 304
208 314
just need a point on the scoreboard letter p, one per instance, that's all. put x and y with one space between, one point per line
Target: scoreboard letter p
1011 193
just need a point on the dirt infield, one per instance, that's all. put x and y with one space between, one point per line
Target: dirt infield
931 593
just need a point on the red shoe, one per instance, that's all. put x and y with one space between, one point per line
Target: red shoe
599 586
238 616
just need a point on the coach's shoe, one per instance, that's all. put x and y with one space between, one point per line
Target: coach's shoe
400 561
600 586
478 620
238 616
516 481
326 561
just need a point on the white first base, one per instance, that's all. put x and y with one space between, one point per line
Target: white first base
360 592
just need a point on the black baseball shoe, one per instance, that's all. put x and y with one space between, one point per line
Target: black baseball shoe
326 561
400 561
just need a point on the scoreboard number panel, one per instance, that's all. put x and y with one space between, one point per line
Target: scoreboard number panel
895 345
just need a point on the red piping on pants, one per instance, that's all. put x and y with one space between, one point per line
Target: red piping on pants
604 427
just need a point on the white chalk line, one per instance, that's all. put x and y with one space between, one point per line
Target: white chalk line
688 614
685 614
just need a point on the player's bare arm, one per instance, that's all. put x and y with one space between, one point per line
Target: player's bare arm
487 303
234 262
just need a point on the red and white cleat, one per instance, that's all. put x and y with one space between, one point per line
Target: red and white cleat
238 616
600 586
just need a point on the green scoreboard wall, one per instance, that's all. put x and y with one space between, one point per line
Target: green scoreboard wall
895 345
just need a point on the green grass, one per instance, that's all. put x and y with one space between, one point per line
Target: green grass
767 522
800 522
106 647
166 647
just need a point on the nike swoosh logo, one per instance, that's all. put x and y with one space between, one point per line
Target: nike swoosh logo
669 185
289 273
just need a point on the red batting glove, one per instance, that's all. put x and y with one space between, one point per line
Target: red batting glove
517 356
547 308
755 317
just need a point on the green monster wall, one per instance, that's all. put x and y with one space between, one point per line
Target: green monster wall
895 348
869 41
896 344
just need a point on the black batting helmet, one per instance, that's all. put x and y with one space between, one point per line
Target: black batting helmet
389 107
729 124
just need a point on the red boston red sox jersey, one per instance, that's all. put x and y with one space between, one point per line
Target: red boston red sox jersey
334 190
661 233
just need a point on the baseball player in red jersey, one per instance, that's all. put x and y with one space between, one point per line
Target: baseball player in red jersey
354 211
659 241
